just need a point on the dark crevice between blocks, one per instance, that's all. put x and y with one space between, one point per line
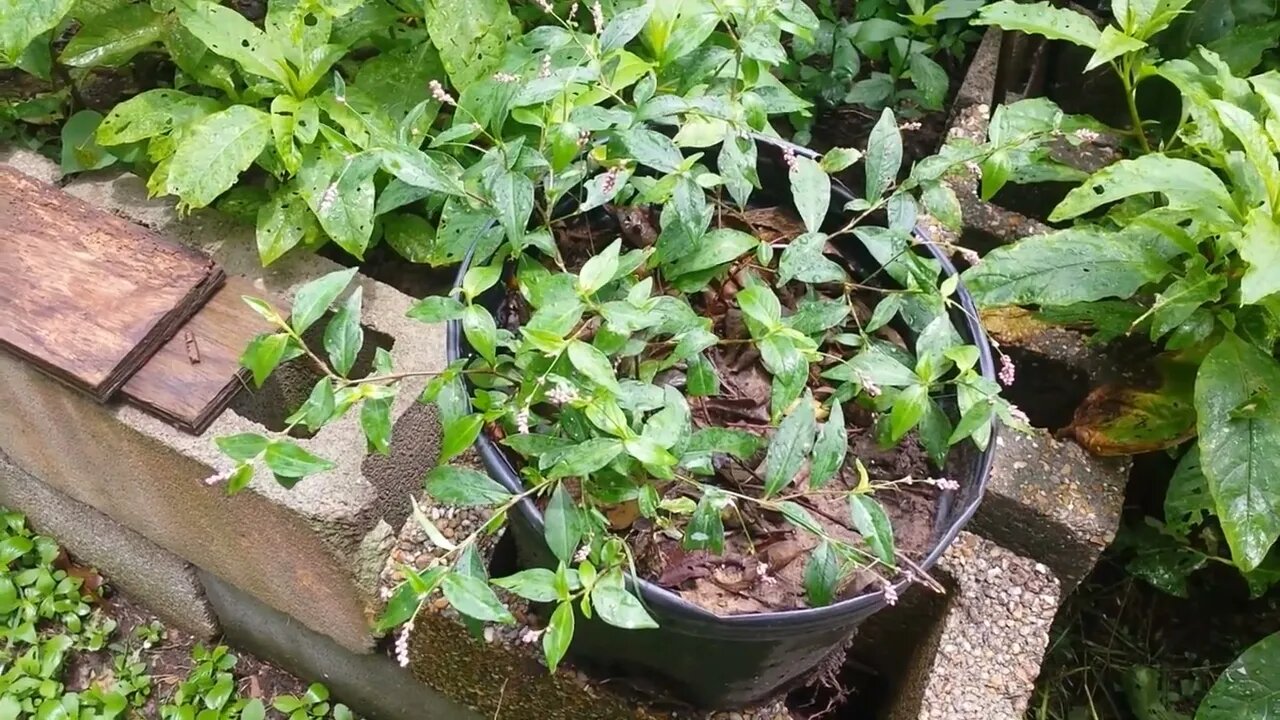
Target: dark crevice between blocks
1047 390
291 383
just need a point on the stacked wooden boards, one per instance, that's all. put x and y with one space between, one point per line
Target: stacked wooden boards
102 304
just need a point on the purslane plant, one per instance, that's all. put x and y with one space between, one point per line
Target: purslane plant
593 390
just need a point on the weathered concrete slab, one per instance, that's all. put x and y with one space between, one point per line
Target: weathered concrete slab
373 685
155 577
313 552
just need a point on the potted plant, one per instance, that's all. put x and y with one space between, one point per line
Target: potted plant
724 403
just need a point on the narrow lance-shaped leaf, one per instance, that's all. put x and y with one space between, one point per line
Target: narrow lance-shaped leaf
829 449
344 336
821 575
870 520
884 155
789 447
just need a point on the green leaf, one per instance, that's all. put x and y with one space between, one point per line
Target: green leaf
536 584
375 421
1041 18
512 194
12 548
290 460
586 457
1249 688
594 364
811 192
344 337
790 447
1187 502
473 597
436 309
760 304
837 159
803 259
80 151
738 443
821 575
652 148
227 33
1239 429
263 354
22 21
244 446
624 26
152 113
1111 45
829 449
598 270
418 169
313 299
284 222
1182 297
701 379
563 531
471 36
213 152
716 248
1259 245
559 633
908 408
617 606
481 332
705 530
884 155
340 191
930 79
464 487
1186 185
114 37
459 434
873 525
318 408
1065 267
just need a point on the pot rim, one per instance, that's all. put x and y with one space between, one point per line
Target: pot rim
668 602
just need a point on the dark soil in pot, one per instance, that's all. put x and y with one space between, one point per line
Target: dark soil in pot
734 628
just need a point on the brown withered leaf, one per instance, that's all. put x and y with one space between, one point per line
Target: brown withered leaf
1126 420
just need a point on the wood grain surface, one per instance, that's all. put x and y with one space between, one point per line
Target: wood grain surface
191 380
87 296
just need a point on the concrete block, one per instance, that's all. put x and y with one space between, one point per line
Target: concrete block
981 659
313 552
152 576
373 685
1053 502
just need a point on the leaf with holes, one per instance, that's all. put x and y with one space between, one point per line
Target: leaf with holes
212 153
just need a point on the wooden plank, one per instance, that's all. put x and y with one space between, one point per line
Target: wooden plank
190 381
86 296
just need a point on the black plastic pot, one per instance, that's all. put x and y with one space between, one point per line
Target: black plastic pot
729 662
